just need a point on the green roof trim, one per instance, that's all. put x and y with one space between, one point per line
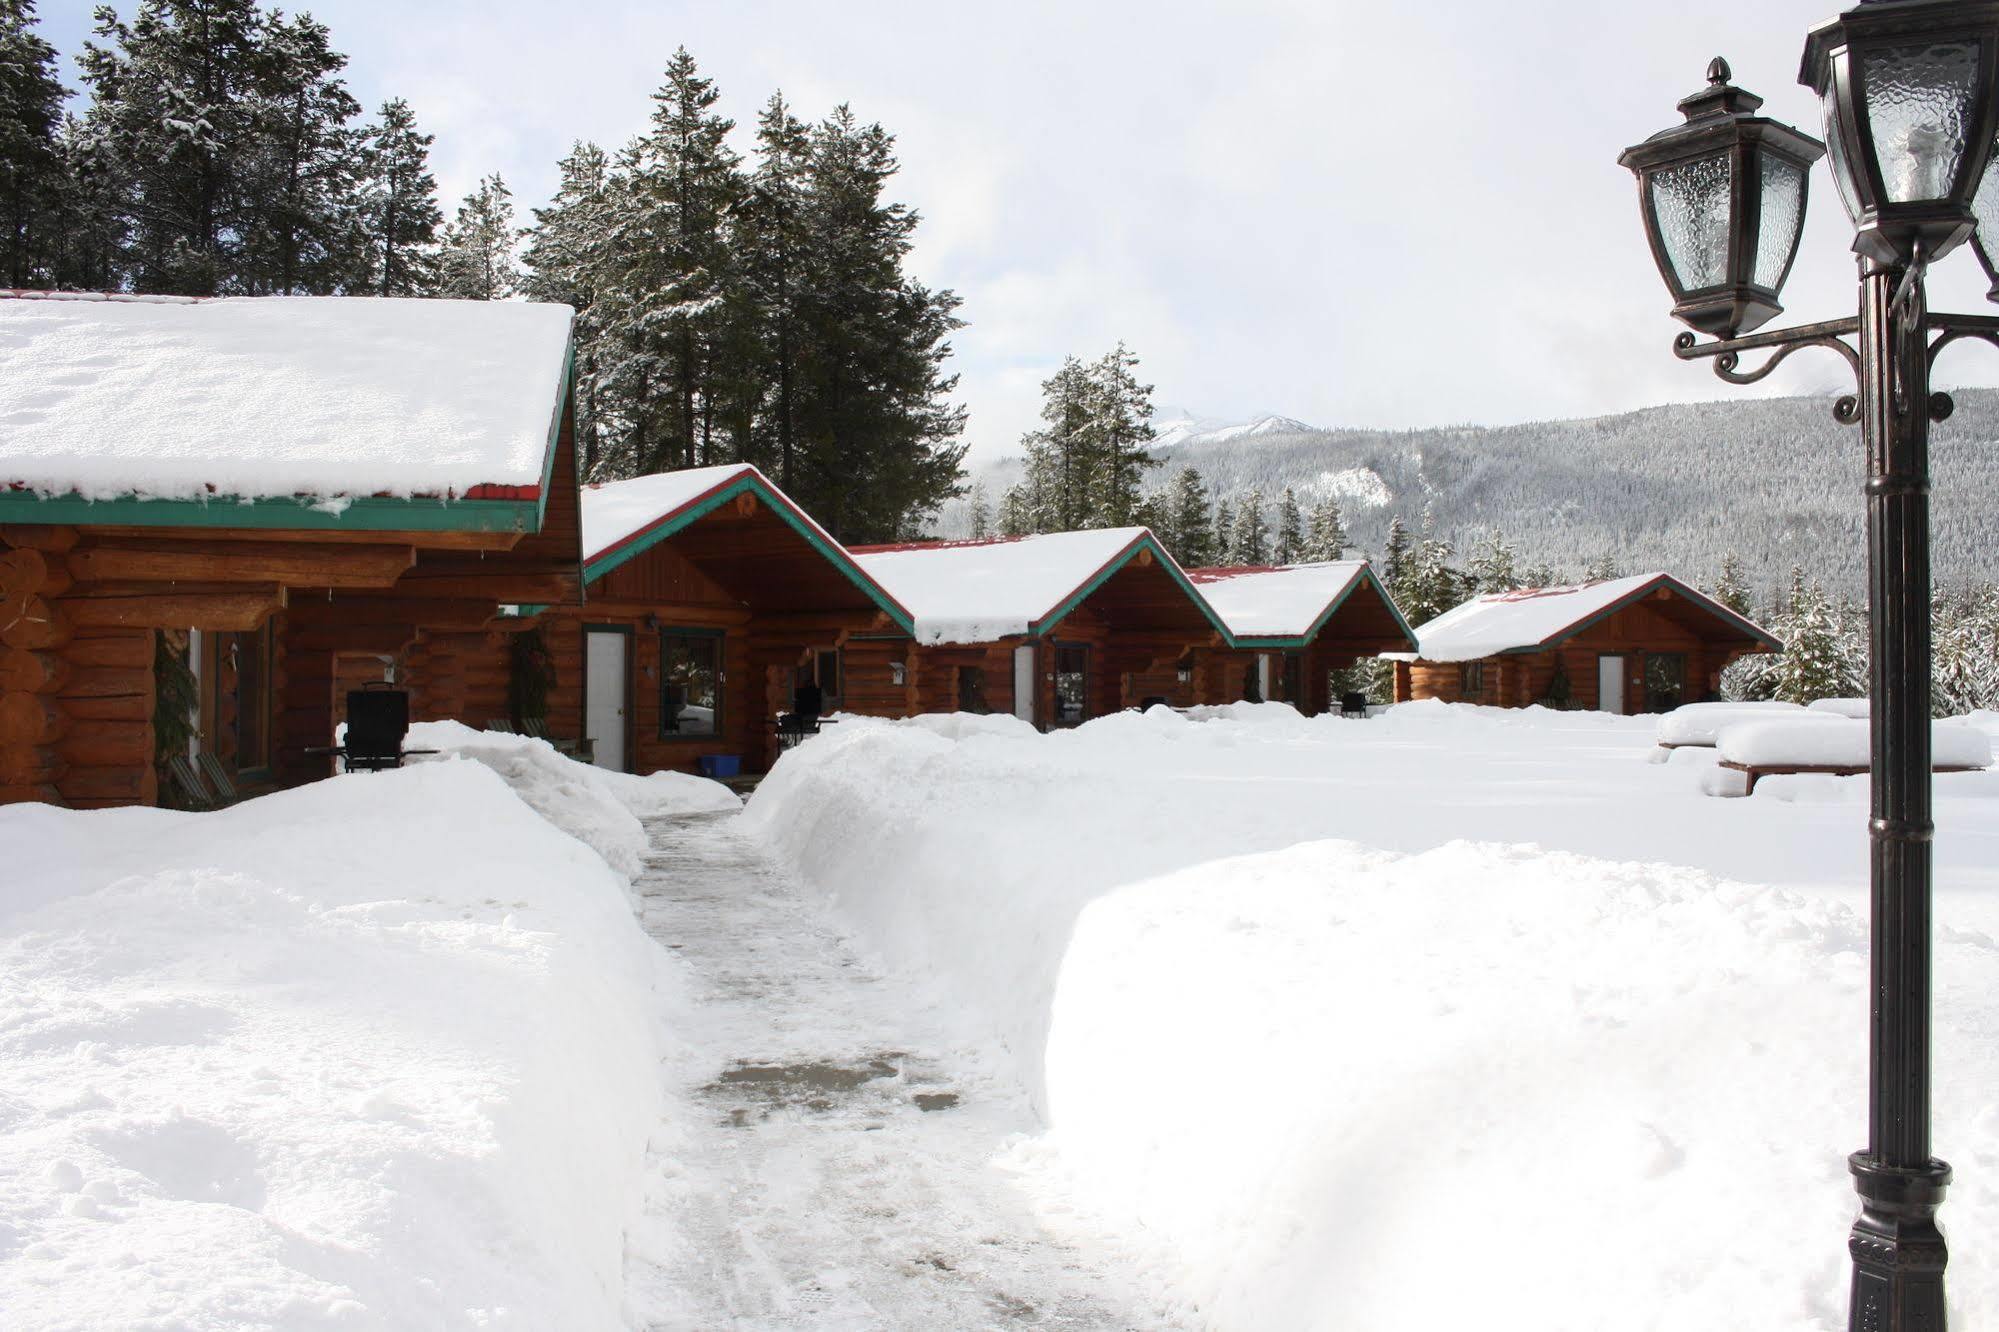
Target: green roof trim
751 482
1304 640
1145 541
369 513
563 394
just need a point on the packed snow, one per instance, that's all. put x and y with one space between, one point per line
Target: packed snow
1532 617
381 1052
983 591
275 396
1833 741
1700 723
1282 602
1311 1006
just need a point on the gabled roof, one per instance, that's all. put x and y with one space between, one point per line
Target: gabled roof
983 591
1286 606
1535 618
279 411
624 519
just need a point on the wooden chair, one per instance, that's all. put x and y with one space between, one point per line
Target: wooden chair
219 780
1353 705
499 725
180 769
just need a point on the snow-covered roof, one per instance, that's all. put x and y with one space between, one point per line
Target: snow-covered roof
982 591
622 519
1542 616
278 396
1283 601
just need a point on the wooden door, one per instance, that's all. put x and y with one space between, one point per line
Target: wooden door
605 687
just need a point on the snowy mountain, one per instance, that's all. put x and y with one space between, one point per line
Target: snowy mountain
1775 480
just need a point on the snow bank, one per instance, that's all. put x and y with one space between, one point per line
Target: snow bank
378 1052
1840 743
1841 707
1305 1083
982 591
273 396
598 807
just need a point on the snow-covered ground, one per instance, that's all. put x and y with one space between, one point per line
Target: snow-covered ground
379 1052
1337 1023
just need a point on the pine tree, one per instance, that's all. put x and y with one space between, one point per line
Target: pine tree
881 433
1602 569
1060 455
981 512
1223 525
772 238
1428 585
1249 541
171 127
1814 663
1491 567
1327 539
302 227
1290 547
568 264
1729 588
34 176
1014 518
476 262
399 213
1193 530
1117 435
1395 556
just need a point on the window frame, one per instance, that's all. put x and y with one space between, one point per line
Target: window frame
719 638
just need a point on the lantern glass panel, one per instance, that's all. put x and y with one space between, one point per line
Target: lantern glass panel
1691 204
1783 215
1920 100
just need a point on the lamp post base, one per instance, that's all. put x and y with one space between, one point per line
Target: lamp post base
1898 1252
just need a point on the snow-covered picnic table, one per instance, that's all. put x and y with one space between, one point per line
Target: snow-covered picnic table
1829 743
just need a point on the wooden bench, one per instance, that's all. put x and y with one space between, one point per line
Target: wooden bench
1759 770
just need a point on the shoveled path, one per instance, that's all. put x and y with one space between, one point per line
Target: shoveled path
840 1172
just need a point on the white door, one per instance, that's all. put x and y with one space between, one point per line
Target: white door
1610 685
1263 676
1023 682
604 692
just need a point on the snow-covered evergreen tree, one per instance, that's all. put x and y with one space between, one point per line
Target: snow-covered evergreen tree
1429 585
1223 526
1395 559
1193 529
1602 569
1818 660
568 263
476 261
771 233
1327 539
1249 536
1015 517
982 516
1729 588
1117 438
34 178
303 228
399 212
1289 547
1060 455
1492 566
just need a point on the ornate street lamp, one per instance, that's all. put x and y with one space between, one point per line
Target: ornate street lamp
1723 198
1910 90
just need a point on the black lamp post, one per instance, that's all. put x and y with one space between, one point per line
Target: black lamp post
1911 96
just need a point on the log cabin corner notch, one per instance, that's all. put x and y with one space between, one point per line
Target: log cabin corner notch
1645 643
1292 626
1056 628
289 483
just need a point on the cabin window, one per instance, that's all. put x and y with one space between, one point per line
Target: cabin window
690 683
1471 679
972 690
826 674
1072 684
1665 680
251 654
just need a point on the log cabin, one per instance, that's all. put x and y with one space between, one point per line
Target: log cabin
709 599
1647 643
1292 628
289 490
1055 629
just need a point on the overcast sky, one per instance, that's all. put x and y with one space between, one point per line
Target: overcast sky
1352 214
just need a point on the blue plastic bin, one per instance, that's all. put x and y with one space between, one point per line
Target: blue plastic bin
719 765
